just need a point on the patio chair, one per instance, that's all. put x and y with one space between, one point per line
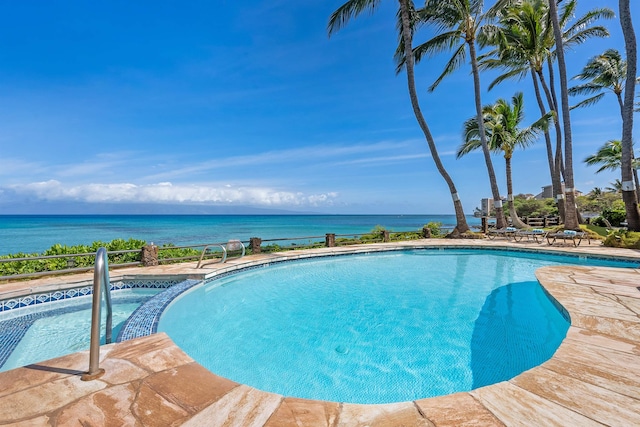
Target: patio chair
507 232
572 236
536 234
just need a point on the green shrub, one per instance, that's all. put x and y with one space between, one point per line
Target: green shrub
54 264
623 239
614 216
436 229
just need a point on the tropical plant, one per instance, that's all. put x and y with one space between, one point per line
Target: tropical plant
623 239
607 71
501 124
609 157
458 23
524 44
628 195
571 221
534 207
615 186
406 14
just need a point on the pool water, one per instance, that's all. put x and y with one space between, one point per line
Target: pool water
63 328
374 328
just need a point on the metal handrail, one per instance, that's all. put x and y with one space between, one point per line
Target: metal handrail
231 245
204 250
101 283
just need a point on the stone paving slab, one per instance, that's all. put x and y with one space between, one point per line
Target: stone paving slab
591 380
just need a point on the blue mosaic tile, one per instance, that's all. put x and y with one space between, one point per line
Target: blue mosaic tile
80 292
42 298
144 321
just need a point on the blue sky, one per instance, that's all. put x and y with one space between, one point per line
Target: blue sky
246 104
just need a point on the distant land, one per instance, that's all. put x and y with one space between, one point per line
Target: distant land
81 208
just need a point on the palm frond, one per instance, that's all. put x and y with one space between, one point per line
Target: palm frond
518 73
468 147
587 102
348 10
453 64
584 35
438 44
585 89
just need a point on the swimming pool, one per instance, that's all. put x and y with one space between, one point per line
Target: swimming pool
375 328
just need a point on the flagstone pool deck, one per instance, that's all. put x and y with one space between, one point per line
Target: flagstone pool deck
592 379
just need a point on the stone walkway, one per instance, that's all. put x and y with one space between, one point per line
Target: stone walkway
593 378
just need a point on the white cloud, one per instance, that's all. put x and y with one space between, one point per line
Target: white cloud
166 192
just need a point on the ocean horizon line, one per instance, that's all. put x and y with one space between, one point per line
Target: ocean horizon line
35 233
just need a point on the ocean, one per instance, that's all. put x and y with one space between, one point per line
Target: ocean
37 233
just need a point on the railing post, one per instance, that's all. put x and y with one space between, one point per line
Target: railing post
385 236
254 244
485 224
545 222
149 255
330 240
100 281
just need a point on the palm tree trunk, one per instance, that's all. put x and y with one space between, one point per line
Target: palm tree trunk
635 172
621 104
628 194
556 182
497 200
461 221
635 178
543 111
571 212
515 220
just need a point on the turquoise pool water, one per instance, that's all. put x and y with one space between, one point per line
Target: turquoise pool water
60 328
374 328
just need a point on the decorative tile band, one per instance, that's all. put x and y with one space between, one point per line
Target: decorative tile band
144 320
43 298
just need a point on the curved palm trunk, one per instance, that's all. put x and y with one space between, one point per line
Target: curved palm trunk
628 193
512 209
556 182
500 219
571 212
461 221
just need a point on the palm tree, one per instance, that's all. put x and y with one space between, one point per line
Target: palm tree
406 12
571 221
596 193
607 71
609 157
615 187
459 23
504 135
524 45
628 195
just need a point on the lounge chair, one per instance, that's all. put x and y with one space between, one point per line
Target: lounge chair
574 237
507 233
536 234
